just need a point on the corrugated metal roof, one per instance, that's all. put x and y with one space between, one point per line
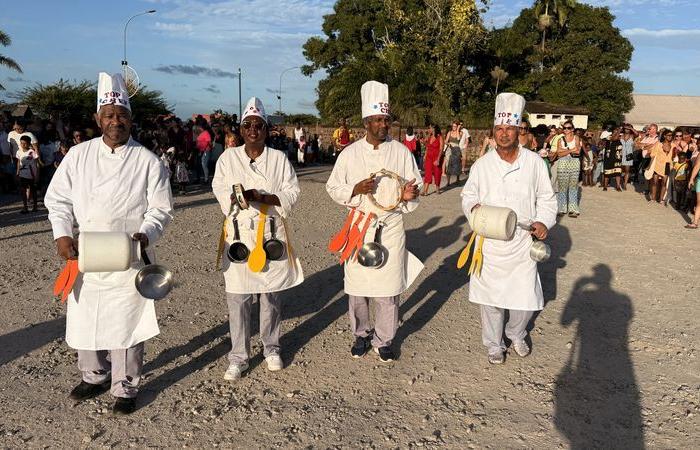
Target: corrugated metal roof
665 110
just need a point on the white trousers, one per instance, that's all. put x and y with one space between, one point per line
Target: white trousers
386 318
239 307
492 319
123 365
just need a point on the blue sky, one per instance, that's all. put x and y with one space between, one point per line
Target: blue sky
191 49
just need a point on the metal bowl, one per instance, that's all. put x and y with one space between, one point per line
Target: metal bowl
154 281
372 255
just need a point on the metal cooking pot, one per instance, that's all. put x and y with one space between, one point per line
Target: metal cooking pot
373 254
237 251
540 251
274 248
153 280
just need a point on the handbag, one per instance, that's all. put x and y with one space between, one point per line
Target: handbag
649 172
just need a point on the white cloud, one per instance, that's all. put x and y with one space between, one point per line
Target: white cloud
665 33
173 27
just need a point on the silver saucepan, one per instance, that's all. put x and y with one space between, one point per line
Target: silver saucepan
539 252
237 251
153 280
373 254
274 248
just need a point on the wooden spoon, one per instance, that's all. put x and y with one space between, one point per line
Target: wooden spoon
258 257
352 238
341 238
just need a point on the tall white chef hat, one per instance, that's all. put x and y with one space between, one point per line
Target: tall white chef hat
254 108
509 109
375 99
111 90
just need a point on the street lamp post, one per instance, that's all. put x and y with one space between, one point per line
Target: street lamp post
240 104
150 11
279 96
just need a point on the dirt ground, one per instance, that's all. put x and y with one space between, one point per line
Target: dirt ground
614 361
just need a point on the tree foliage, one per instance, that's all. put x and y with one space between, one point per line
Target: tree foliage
425 50
581 65
77 101
439 61
5 61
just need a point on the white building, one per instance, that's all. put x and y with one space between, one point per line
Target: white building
543 113
667 111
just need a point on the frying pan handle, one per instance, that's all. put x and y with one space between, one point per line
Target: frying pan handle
236 233
378 233
144 255
273 229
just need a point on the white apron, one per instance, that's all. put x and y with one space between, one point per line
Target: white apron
272 173
355 163
129 191
509 277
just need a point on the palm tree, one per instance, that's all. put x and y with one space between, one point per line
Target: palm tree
498 75
4 60
561 8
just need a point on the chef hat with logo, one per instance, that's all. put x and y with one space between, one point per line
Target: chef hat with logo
509 109
111 90
254 108
375 99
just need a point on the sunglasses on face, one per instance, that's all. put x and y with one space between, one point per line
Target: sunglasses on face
257 126
568 128
679 135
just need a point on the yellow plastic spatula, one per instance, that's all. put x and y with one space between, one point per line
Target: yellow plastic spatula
258 257
464 256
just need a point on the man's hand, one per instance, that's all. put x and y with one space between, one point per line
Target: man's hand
66 247
252 195
142 238
410 191
364 187
474 207
539 230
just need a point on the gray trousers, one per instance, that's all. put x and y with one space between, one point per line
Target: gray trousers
492 327
239 306
123 365
386 318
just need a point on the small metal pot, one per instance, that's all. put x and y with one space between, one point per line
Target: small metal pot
540 251
274 248
153 280
373 254
237 251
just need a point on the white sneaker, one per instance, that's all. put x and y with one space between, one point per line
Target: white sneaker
235 371
496 358
521 348
274 362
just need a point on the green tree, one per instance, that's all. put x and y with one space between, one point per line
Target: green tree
77 100
584 64
425 50
5 61
560 8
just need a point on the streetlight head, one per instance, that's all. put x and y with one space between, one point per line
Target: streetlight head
151 11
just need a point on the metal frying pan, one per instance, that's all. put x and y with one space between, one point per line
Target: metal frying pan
153 280
274 248
237 251
373 254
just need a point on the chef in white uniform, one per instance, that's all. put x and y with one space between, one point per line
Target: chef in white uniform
518 179
268 178
348 185
110 183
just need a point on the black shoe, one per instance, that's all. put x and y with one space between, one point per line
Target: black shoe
85 390
385 354
361 346
124 406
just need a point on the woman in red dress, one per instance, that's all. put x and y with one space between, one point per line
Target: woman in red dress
434 146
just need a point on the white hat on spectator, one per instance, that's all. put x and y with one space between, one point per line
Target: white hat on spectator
509 109
111 90
254 108
375 99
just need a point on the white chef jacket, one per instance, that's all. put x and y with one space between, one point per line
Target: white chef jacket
103 190
509 277
355 163
271 173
